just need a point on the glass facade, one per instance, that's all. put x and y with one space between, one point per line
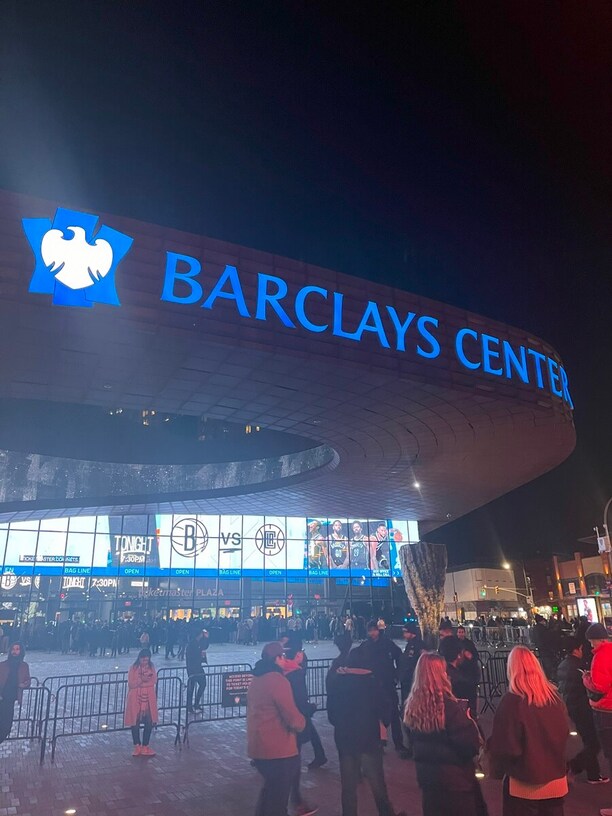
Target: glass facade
101 567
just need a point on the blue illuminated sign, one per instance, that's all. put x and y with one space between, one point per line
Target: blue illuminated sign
71 264
400 332
77 267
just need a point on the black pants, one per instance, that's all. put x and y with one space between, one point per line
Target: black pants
442 802
513 806
603 727
198 680
351 766
7 713
317 746
148 728
278 775
396 724
587 760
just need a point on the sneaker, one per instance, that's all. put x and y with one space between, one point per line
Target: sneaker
306 810
137 750
146 750
317 763
601 780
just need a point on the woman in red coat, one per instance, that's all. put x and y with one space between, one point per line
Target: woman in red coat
141 702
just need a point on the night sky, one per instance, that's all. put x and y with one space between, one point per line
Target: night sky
457 150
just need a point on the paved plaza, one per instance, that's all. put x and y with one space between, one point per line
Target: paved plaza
97 776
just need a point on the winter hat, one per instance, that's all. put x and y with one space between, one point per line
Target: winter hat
596 631
271 651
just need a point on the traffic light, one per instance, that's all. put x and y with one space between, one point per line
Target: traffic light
483 592
496 590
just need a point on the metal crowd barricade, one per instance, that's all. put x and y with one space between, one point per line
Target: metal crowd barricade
181 670
211 708
32 717
316 672
97 708
495 680
54 683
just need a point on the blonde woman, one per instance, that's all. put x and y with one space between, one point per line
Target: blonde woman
529 738
445 741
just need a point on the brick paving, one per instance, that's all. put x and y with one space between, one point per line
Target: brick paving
97 776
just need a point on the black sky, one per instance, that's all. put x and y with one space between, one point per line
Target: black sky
458 150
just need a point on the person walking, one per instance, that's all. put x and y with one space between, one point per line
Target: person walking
529 739
355 707
141 703
273 721
14 678
195 660
444 742
296 676
573 693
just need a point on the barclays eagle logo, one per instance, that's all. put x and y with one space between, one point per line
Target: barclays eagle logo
72 264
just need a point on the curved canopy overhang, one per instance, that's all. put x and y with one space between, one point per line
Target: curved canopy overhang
415 409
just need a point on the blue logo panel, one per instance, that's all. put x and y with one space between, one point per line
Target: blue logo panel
73 263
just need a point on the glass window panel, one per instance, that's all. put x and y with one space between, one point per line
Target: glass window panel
54 524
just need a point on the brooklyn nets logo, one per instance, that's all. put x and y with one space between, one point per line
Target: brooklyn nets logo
189 537
270 539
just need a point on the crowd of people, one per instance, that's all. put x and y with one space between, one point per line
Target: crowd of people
434 722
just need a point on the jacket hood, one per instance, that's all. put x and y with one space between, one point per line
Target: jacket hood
265 667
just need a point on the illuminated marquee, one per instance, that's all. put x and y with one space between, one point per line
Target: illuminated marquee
77 265
394 330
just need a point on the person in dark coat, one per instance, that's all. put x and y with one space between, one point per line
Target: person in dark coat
529 738
296 676
573 692
460 668
384 657
195 660
407 663
14 678
356 708
444 742
544 641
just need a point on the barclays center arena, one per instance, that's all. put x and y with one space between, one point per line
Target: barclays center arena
191 427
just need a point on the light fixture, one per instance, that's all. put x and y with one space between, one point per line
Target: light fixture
573 733
505 565
70 811
416 485
479 774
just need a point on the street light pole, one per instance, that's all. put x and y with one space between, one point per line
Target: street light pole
528 594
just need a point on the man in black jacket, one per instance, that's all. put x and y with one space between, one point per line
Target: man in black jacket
384 657
195 659
355 708
575 698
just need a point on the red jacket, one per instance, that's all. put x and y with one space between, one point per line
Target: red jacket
601 676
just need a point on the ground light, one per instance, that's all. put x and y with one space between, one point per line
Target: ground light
479 774
70 811
573 733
